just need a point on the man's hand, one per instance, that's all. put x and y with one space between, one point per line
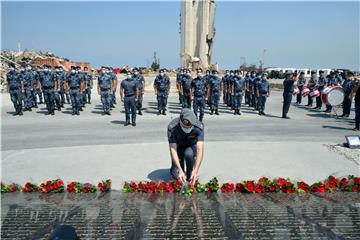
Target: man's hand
122 99
182 177
193 177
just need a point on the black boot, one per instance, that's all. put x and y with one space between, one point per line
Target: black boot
164 112
140 113
159 112
217 112
212 112
127 123
133 124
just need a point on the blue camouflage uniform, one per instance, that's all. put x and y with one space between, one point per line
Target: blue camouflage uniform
186 86
81 76
251 89
14 83
256 98
230 85
215 92
113 93
263 87
130 86
139 79
199 90
88 85
28 78
226 90
208 78
238 86
287 96
347 86
74 83
162 86
35 90
47 80
105 83
61 77
178 83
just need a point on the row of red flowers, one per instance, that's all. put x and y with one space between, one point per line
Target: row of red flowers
57 186
264 184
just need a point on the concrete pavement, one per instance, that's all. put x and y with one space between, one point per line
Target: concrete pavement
91 146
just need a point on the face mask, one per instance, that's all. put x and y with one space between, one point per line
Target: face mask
136 73
232 74
252 75
28 68
199 74
187 130
129 76
11 69
189 74
73 71
161 74
58 70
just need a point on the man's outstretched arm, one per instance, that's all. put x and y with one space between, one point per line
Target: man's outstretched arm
175 159
199 158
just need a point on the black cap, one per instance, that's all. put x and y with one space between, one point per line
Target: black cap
187 117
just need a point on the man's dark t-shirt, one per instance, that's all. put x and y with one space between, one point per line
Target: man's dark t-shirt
357 96
178 136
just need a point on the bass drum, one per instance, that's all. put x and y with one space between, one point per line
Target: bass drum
314 93
305 92
333 95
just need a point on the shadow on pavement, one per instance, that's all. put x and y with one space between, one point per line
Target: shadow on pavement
118 122
160 174
335 127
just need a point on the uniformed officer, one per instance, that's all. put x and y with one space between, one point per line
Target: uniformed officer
115 83
230 84
199 94
339 78
312 85
256 92
39 71
300 85
347 85
186 142
262 91
162 89
57 93
185 86
48 86
35 91
251 89
105 88
16 88
179 76
208 77
356 92
288 85
74 86
129 92
247 93
141 85
88 85
226 92
238 86
215 89
321 82
27 76
332 81
80 75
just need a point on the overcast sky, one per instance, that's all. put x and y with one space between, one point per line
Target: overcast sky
294 34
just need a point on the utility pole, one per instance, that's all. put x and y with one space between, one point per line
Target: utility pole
19 47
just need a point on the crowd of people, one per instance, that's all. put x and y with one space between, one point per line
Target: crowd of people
198 92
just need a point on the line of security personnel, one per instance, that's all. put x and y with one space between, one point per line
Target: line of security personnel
28 84
233 86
